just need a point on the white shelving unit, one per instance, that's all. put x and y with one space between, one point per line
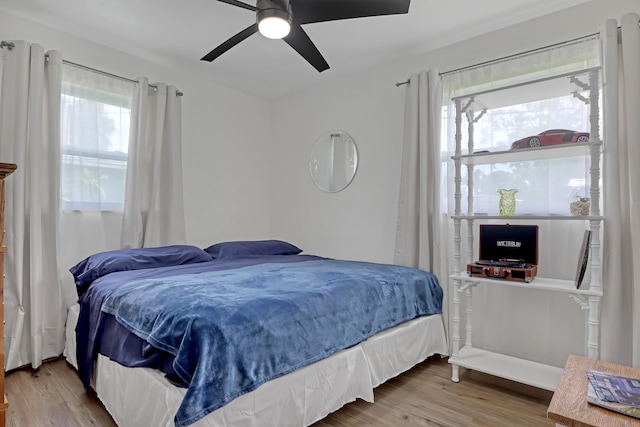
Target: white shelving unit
588 296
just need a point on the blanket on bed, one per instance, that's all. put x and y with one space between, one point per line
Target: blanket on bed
233 330
93 324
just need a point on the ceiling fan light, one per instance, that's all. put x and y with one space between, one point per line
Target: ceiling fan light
273 22
274 28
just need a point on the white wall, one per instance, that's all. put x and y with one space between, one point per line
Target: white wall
359 222
225 141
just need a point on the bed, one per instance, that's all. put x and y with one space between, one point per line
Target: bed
244 333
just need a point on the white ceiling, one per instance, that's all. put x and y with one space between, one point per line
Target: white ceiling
175 32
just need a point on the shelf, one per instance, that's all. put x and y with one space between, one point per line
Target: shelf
528 154
540 283
529 217
584 85
7 169
523 371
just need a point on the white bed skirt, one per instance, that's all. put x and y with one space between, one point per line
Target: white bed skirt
138 397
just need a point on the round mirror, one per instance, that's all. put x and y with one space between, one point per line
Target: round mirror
333 161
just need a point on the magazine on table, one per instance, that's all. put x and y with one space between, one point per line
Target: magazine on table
620 394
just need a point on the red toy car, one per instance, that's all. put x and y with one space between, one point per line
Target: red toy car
551 137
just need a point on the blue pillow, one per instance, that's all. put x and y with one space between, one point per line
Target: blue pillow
103 263
252 247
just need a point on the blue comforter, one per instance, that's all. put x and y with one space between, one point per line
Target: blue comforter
234 329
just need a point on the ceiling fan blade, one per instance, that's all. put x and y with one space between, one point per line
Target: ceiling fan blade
309 11
230 43
239 4
300 41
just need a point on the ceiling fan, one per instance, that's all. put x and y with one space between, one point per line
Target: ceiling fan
282 19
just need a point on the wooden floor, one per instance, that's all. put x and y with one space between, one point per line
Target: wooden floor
425 396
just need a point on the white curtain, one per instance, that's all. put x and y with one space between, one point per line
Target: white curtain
154 208
30 137
620 337
420 222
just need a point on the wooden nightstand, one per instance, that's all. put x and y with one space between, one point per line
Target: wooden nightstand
6 169
569 405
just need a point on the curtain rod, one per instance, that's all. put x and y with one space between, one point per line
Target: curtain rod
504 58
178 93
10 46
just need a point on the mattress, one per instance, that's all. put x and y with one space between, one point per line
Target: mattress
144 397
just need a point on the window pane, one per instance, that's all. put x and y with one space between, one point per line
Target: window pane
544 186
499 127
96 111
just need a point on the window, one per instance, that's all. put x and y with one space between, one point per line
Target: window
544 186
522 96
95 110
